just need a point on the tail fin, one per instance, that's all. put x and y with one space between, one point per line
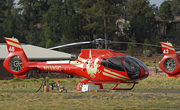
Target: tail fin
170 62
13 45
167 48
16 61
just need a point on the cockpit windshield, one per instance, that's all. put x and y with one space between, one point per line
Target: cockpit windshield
130 64
139 62
132 67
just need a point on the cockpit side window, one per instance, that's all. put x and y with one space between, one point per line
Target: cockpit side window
103 62
113 63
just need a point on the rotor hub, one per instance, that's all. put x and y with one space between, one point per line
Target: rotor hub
100 42
16 64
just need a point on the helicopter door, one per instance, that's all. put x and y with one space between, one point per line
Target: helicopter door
113 65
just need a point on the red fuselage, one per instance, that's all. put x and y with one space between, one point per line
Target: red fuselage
97 65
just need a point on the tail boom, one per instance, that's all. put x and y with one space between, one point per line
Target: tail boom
18 64
60 68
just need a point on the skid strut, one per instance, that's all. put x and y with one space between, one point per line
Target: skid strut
114 88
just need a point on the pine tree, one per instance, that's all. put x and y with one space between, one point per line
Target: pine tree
142 22
30 14
8 23
175 7
3 8
101 16
131 47
165 10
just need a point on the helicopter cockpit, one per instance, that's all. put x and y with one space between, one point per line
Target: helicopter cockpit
130 64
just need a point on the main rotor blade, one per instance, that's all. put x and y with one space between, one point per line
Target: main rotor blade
140 44
135 43
71 44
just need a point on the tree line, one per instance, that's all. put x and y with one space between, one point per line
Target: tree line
48 23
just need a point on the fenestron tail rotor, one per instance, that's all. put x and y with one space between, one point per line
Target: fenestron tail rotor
169 65
15 63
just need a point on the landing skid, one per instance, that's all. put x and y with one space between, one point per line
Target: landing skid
114 88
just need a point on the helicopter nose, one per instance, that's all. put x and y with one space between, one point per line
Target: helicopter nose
144 74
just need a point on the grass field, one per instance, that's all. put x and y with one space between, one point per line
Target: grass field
21 95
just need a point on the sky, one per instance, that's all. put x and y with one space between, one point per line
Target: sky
16 1
157 2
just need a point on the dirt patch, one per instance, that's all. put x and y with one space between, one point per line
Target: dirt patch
156 71
154 59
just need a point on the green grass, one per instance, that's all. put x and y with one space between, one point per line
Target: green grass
89 101
21 95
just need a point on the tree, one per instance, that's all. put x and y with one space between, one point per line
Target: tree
100 14
165 10
3 8
72 30
49 43
142 22
30 13
146 41
85 8
55 21
9 22
131 47
175 8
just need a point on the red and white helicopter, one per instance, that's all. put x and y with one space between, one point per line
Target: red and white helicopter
98 66
170 62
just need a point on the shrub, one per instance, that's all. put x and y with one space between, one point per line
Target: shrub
147 64
40 79
73 80
5 82
147 53
51 80
47 79
16 79
33 80
62 81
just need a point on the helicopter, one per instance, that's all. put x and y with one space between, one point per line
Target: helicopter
98 66
170 62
